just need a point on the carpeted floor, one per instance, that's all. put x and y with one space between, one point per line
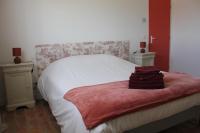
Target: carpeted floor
40 120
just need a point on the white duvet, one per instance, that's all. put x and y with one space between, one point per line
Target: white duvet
75 71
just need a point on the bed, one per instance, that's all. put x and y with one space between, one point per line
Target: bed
92 63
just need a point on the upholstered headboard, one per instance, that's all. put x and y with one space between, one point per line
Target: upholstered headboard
48 53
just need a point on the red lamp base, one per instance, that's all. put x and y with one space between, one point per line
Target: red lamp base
142 50
17 60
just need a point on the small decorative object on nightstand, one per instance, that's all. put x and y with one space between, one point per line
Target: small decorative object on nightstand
18 84
17 53
142 47
144 59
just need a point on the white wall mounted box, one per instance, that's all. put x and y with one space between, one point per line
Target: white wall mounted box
18 85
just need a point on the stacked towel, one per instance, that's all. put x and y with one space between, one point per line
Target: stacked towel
148 77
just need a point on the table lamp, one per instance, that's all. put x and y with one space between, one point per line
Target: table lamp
17 53
142 47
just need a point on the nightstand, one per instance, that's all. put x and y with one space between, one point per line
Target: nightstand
144 59
18 85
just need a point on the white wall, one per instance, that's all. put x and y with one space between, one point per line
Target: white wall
185 36
25 23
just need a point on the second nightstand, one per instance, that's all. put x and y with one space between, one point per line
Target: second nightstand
18 84
144 59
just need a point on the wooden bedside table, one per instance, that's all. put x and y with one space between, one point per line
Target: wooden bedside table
18 85
144 59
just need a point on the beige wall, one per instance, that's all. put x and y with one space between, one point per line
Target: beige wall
25 23
185 36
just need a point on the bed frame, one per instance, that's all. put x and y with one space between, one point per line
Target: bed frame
48 53
160 125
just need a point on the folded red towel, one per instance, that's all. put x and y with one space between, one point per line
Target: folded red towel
149 82
135 76
146 70
148 77
147 86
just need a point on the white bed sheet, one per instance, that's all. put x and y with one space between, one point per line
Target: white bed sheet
62 75
75 71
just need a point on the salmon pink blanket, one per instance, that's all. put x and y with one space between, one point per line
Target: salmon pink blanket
103 102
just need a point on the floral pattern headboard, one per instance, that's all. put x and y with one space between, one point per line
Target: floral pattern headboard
48 53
